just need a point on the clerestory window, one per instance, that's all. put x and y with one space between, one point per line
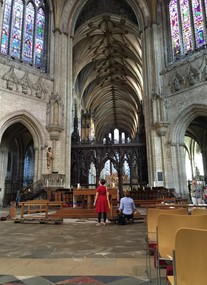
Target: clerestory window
188 22
24 31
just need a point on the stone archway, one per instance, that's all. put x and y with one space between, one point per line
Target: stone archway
21 137
18 157
183 125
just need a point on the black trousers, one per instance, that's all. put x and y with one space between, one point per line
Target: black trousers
100 215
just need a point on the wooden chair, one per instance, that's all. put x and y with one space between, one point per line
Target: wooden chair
151 235
190 257
166 232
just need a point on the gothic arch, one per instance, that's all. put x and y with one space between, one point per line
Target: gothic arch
178 128
72 10
30 122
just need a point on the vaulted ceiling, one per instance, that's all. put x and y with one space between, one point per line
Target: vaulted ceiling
107 70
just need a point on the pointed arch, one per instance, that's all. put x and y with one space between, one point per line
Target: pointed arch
178 128
31 123
72 10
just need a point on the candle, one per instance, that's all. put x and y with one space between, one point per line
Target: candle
113 185
47 182
154 184
78 185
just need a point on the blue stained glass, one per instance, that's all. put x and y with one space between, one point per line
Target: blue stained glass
198 22
23 30
16 43
28 43
7 14
40 24
40 30
5 28
5 39
29 32
18 16
17 29
39 53
29 19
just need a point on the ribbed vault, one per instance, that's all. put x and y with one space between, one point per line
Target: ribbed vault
107 72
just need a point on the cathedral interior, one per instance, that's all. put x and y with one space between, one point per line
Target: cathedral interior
115 88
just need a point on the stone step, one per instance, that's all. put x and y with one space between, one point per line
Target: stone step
78 213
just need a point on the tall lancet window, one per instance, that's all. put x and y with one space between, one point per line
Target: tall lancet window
187 26
24 31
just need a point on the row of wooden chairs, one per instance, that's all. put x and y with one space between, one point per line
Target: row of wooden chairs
151 235
189 257
166 233
162 226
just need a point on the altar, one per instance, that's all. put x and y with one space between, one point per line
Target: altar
85 197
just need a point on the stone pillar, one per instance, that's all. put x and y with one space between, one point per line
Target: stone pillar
68 109
1 14
204 157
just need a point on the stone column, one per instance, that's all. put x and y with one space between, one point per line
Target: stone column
154 104
37 164
68 109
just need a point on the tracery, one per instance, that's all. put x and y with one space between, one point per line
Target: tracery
24 31
188 30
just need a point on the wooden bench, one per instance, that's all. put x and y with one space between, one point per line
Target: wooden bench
142 203
38 206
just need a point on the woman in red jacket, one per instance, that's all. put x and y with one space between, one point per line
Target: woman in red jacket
101 201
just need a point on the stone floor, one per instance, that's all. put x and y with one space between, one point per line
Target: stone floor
76 252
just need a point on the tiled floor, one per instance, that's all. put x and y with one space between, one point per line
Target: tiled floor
76 252
72 280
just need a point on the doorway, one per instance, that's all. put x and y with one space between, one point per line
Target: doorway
17 157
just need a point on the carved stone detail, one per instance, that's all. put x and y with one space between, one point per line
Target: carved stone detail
186 74
26 85
40 91
192 77
55 114
177 82
11 80
161 128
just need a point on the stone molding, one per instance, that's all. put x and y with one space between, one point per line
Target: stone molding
24 84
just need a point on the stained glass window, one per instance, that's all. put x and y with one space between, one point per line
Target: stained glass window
206 6
187 23
198 22
6 27
24 30
39 44
174 23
